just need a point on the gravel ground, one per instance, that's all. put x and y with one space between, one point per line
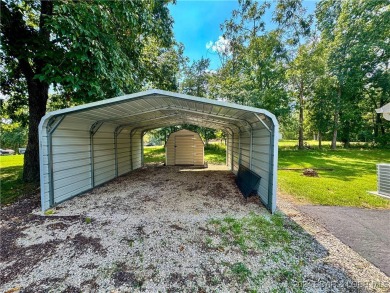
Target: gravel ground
170 229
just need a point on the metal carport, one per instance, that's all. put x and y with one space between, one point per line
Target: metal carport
87 145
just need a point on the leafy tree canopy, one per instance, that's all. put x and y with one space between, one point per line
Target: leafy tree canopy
83 50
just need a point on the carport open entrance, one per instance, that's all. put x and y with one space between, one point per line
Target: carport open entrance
88 145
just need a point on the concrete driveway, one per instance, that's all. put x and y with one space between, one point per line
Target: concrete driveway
365 231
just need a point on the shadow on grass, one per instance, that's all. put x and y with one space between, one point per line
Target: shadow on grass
12 186
346 164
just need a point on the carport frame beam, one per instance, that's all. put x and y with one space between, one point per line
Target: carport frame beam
92 131
53 124
117 131
271 167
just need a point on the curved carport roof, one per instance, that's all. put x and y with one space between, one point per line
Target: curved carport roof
113 128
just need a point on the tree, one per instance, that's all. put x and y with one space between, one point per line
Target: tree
321 102
84 50
295 26
293 22
300 78
254 70
356 33
195 78
164 65
12 136
307 78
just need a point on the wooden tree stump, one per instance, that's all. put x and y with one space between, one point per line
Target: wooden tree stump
310 173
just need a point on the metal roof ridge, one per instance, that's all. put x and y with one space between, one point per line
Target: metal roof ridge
157 92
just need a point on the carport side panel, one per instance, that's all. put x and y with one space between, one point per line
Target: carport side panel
236 152
70 161
229 147
136 150
261 162
274 166
260 152
104 154
123 149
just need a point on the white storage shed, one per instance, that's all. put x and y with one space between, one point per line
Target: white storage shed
184 147
87 145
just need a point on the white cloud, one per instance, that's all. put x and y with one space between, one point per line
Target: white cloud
221 46
209 45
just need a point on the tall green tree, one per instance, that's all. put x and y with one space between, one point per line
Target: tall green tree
195 78
12 136
85 50
164 65
294 24
302 74
322 92
356 33
255 72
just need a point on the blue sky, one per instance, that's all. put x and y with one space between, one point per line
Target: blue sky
198 22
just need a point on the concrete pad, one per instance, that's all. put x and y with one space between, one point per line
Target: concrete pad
364 230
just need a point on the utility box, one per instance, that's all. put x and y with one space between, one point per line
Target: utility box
384 179
184 147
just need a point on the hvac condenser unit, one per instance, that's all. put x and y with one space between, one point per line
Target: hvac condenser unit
384 179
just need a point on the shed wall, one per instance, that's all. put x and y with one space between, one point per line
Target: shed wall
194 147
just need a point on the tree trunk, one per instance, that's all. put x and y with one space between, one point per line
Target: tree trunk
346 134
38 95
377 122
300 139
28 46
319 140
336 120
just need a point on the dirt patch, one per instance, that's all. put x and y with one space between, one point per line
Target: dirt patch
82 243
177 227
126 278
15 219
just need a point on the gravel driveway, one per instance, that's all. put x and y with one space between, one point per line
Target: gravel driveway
167 229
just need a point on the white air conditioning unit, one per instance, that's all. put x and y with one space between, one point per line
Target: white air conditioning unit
384 179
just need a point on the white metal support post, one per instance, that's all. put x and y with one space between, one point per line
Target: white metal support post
94 128
53 124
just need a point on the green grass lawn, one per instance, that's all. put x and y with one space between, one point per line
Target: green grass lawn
293 144
154 154
353 174
213 154
11 184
